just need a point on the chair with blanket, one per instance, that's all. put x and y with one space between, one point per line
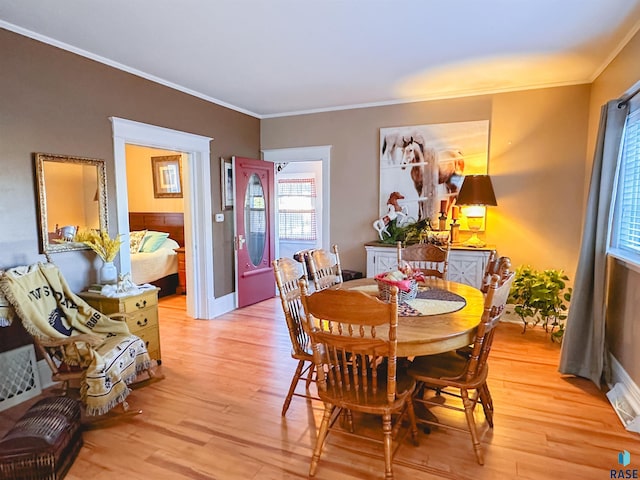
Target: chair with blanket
77 341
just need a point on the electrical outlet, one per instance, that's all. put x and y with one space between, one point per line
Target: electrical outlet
219 217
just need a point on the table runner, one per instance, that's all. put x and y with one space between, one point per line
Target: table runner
428 301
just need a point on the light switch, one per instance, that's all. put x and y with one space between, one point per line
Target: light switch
219 217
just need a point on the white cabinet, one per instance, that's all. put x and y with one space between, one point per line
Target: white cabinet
466 265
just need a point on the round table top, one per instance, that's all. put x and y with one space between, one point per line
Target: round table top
432 334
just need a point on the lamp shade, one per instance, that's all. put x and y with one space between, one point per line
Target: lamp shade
476 190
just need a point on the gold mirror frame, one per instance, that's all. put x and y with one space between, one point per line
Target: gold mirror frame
49 245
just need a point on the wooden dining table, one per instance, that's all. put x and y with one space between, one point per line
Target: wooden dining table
434 333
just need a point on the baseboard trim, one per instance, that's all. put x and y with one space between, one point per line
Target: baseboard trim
624 396
225 304
510 317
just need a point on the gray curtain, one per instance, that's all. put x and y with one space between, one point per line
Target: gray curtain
583 346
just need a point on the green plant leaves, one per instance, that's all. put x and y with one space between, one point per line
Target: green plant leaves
540 297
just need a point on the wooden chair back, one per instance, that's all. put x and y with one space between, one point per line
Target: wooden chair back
325 267
432 260
496 265
352 333
302 256
287 273
494 305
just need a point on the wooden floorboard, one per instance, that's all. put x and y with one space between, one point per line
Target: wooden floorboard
216 415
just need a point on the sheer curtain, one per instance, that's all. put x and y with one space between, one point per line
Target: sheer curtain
583 347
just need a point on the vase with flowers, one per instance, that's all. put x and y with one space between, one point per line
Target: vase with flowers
106 248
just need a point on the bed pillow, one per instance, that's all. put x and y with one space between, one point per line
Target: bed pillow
135 240
170 244
153 241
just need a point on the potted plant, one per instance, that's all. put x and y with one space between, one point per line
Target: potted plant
408 232
541 297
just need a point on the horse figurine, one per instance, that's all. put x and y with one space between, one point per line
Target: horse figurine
394 210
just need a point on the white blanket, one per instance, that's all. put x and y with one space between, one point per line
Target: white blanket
148 267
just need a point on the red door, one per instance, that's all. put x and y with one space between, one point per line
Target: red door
255 230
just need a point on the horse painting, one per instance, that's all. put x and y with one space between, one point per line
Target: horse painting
427 165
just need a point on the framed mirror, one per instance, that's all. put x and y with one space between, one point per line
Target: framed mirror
72 194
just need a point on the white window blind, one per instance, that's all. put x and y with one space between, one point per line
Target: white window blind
626 233
296 209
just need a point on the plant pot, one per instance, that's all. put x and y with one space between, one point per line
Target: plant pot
108 274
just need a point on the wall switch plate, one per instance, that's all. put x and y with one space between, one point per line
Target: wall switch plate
219 217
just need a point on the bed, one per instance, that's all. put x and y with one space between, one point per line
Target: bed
158 234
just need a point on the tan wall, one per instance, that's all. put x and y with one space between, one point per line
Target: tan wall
536 161
622 331
140 181
54 101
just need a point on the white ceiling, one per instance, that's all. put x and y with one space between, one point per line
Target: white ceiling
277 57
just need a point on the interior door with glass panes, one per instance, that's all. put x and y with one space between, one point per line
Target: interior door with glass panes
254 229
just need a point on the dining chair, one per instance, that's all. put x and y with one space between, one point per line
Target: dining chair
325 267
432 260
457 375
287 273
302 256
496 265
354 347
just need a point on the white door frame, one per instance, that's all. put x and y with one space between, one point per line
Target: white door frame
309 154
198 236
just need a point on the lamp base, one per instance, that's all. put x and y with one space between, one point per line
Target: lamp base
474 241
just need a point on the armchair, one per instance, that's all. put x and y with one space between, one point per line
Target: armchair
77 341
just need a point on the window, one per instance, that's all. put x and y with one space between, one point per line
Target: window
626 224
297 208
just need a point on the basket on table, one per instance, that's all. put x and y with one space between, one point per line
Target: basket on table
384 288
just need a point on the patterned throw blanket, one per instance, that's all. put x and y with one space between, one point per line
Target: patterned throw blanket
50 310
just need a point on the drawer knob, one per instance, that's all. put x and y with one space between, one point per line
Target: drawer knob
141 304
142 323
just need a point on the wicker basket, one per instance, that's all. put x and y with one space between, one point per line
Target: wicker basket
384 289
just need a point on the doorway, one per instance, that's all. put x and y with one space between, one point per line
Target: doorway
152 216
197 207
299 207
308 161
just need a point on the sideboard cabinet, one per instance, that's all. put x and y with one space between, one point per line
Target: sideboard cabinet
466 265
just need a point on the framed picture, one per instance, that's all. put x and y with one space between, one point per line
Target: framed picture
426 164
226 176
167 176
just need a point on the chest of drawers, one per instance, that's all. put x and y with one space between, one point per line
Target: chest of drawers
142 315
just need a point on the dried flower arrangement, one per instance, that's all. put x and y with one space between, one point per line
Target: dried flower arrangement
100 242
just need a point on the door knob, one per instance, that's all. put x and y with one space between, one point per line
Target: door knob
239 242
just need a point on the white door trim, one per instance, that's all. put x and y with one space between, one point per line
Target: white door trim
308 154
197 204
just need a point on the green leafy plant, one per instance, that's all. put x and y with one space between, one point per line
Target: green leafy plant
407 232
541 297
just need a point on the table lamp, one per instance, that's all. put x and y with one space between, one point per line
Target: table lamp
475 194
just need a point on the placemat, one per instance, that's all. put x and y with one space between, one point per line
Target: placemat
428 301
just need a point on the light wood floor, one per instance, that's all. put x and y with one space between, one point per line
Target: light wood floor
216 415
